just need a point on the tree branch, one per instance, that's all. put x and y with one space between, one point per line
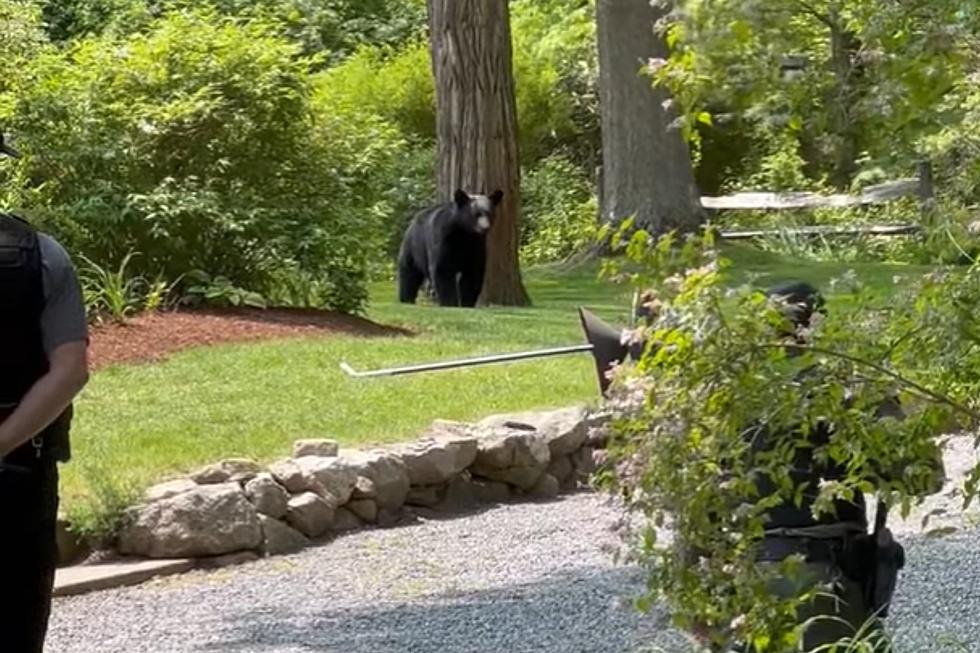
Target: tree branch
807 8
925 392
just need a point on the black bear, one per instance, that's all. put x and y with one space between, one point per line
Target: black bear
446 246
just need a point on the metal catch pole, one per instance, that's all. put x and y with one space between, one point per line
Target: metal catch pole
467 362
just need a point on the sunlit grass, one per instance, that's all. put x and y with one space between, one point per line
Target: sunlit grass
139 424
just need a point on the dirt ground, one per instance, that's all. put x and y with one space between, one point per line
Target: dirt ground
152 337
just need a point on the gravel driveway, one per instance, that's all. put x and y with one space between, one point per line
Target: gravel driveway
515 579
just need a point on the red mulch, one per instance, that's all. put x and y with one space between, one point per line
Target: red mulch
151 337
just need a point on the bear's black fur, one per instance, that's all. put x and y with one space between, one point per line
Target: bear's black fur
446 246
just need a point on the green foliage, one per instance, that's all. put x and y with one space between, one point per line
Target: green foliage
556 79
333 28
872 76
719 361
99 519
140 424
219 291
394 86
115 294
560 216
23 38
69 19
192 144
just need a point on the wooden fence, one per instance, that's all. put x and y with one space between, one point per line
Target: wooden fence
920 186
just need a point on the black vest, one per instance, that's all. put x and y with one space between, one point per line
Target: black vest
23 360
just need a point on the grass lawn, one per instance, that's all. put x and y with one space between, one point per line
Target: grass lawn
136 425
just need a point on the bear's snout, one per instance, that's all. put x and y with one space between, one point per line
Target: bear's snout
483 224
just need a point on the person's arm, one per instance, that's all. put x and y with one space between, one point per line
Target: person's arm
47 398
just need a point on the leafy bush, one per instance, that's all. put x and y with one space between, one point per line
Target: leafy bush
116 294
334 28
68 19
192 144
719 361
395 86
560 214
556 80
23 38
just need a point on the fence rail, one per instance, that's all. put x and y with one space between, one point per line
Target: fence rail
919 186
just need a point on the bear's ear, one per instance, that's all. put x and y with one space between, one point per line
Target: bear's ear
496 197
461 198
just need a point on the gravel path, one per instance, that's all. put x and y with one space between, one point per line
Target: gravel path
515 579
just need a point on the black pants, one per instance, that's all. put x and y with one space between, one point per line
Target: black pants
28 552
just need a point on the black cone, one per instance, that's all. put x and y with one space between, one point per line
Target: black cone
607 346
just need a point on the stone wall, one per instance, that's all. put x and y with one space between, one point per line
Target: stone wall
237 506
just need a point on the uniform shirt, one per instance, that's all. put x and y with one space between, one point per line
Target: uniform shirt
63 319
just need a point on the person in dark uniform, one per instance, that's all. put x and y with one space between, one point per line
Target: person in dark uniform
860 567
43 349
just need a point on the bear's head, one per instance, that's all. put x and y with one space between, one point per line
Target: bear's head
476 212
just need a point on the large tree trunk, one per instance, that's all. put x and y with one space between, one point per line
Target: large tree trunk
477 126
844 47
647 170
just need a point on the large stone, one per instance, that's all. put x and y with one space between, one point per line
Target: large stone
333 476
505 447
459 493
387 473
584 462
234 470
310 514
522 478
490 491
514 456
289 475
209 520
427 496
547 487
279 538
364 489
365 509
169 489
344 520
563 430
598 426
322 448
269 497
561 468
444 451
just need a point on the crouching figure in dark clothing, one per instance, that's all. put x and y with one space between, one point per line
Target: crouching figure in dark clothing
839 552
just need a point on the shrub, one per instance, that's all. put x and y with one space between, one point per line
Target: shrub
716 363
192 144
23 38
556 79
395 86
559 211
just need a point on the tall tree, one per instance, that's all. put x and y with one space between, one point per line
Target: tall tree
477 126
646 165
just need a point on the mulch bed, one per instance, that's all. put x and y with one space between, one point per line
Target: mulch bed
152 337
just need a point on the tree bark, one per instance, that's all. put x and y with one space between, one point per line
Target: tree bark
476 126
843 48
647 171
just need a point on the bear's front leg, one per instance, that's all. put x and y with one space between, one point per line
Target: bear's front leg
447 290
471 280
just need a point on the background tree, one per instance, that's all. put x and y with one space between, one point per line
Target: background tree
476 125
837 92
646 163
